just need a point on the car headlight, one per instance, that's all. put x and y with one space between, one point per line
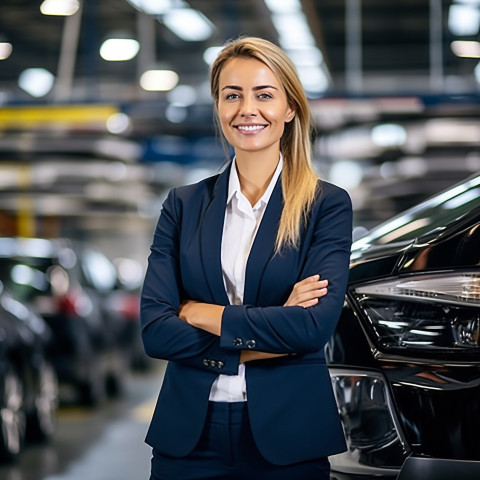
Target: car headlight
429 312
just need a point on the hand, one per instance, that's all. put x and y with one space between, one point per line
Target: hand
307 292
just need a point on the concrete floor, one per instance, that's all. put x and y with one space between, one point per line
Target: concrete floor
105 443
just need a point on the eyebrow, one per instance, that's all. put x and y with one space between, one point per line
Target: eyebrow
259 87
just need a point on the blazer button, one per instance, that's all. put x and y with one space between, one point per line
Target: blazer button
220 364
237 342
251 343
206 362
213 363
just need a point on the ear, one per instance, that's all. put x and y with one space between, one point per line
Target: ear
291 111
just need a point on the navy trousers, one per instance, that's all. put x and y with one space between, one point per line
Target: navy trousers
227 451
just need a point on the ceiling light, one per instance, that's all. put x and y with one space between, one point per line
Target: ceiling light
465 49
285 6
5 50
119 49
313 78
307 56
63 8
158 80
293 30
36 81
463 19
210 54
152 7
188 24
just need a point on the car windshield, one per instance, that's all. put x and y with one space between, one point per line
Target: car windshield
429 216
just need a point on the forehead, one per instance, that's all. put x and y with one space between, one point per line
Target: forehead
243 70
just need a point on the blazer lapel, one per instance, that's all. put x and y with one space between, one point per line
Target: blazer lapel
263 246
211 239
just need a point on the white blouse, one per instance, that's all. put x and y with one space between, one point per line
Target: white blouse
239 230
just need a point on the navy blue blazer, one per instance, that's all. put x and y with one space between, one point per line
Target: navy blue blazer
291 405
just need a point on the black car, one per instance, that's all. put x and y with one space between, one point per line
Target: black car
28 384
405 357
69 284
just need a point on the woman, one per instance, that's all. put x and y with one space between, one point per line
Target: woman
233 297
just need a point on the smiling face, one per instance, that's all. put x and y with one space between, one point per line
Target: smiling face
252 106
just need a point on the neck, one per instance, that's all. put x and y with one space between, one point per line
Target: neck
255 172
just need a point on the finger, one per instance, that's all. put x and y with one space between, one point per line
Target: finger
309 303
312 278
311 287
309 296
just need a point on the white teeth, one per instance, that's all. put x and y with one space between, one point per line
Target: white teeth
250 128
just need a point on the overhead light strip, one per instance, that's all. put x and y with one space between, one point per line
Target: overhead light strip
296 38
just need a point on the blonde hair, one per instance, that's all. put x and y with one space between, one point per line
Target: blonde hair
299 180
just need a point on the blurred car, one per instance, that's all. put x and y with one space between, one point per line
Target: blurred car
28 384
69 284
125 302
405 357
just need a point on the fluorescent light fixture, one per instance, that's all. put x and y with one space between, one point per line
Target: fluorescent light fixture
36 81
465 49
5 50
210 54
62 8
119 49
283 6
293 30
463 19
188 24
296 38
307 56
313 78
152 7
158 80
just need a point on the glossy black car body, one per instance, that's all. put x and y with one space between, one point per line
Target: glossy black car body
69 285
405 357
28 384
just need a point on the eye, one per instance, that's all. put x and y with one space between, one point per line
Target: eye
264 96
231 96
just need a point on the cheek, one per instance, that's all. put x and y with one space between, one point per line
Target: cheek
278 115
224 124
225 115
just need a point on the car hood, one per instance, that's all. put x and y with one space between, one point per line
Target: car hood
452 248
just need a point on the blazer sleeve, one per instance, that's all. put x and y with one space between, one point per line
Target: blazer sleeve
292 329
164 334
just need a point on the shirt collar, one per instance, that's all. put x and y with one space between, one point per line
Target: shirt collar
234 182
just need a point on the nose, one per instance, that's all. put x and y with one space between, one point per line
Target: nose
248 107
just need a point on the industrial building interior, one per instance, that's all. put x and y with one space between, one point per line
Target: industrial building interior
105 105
